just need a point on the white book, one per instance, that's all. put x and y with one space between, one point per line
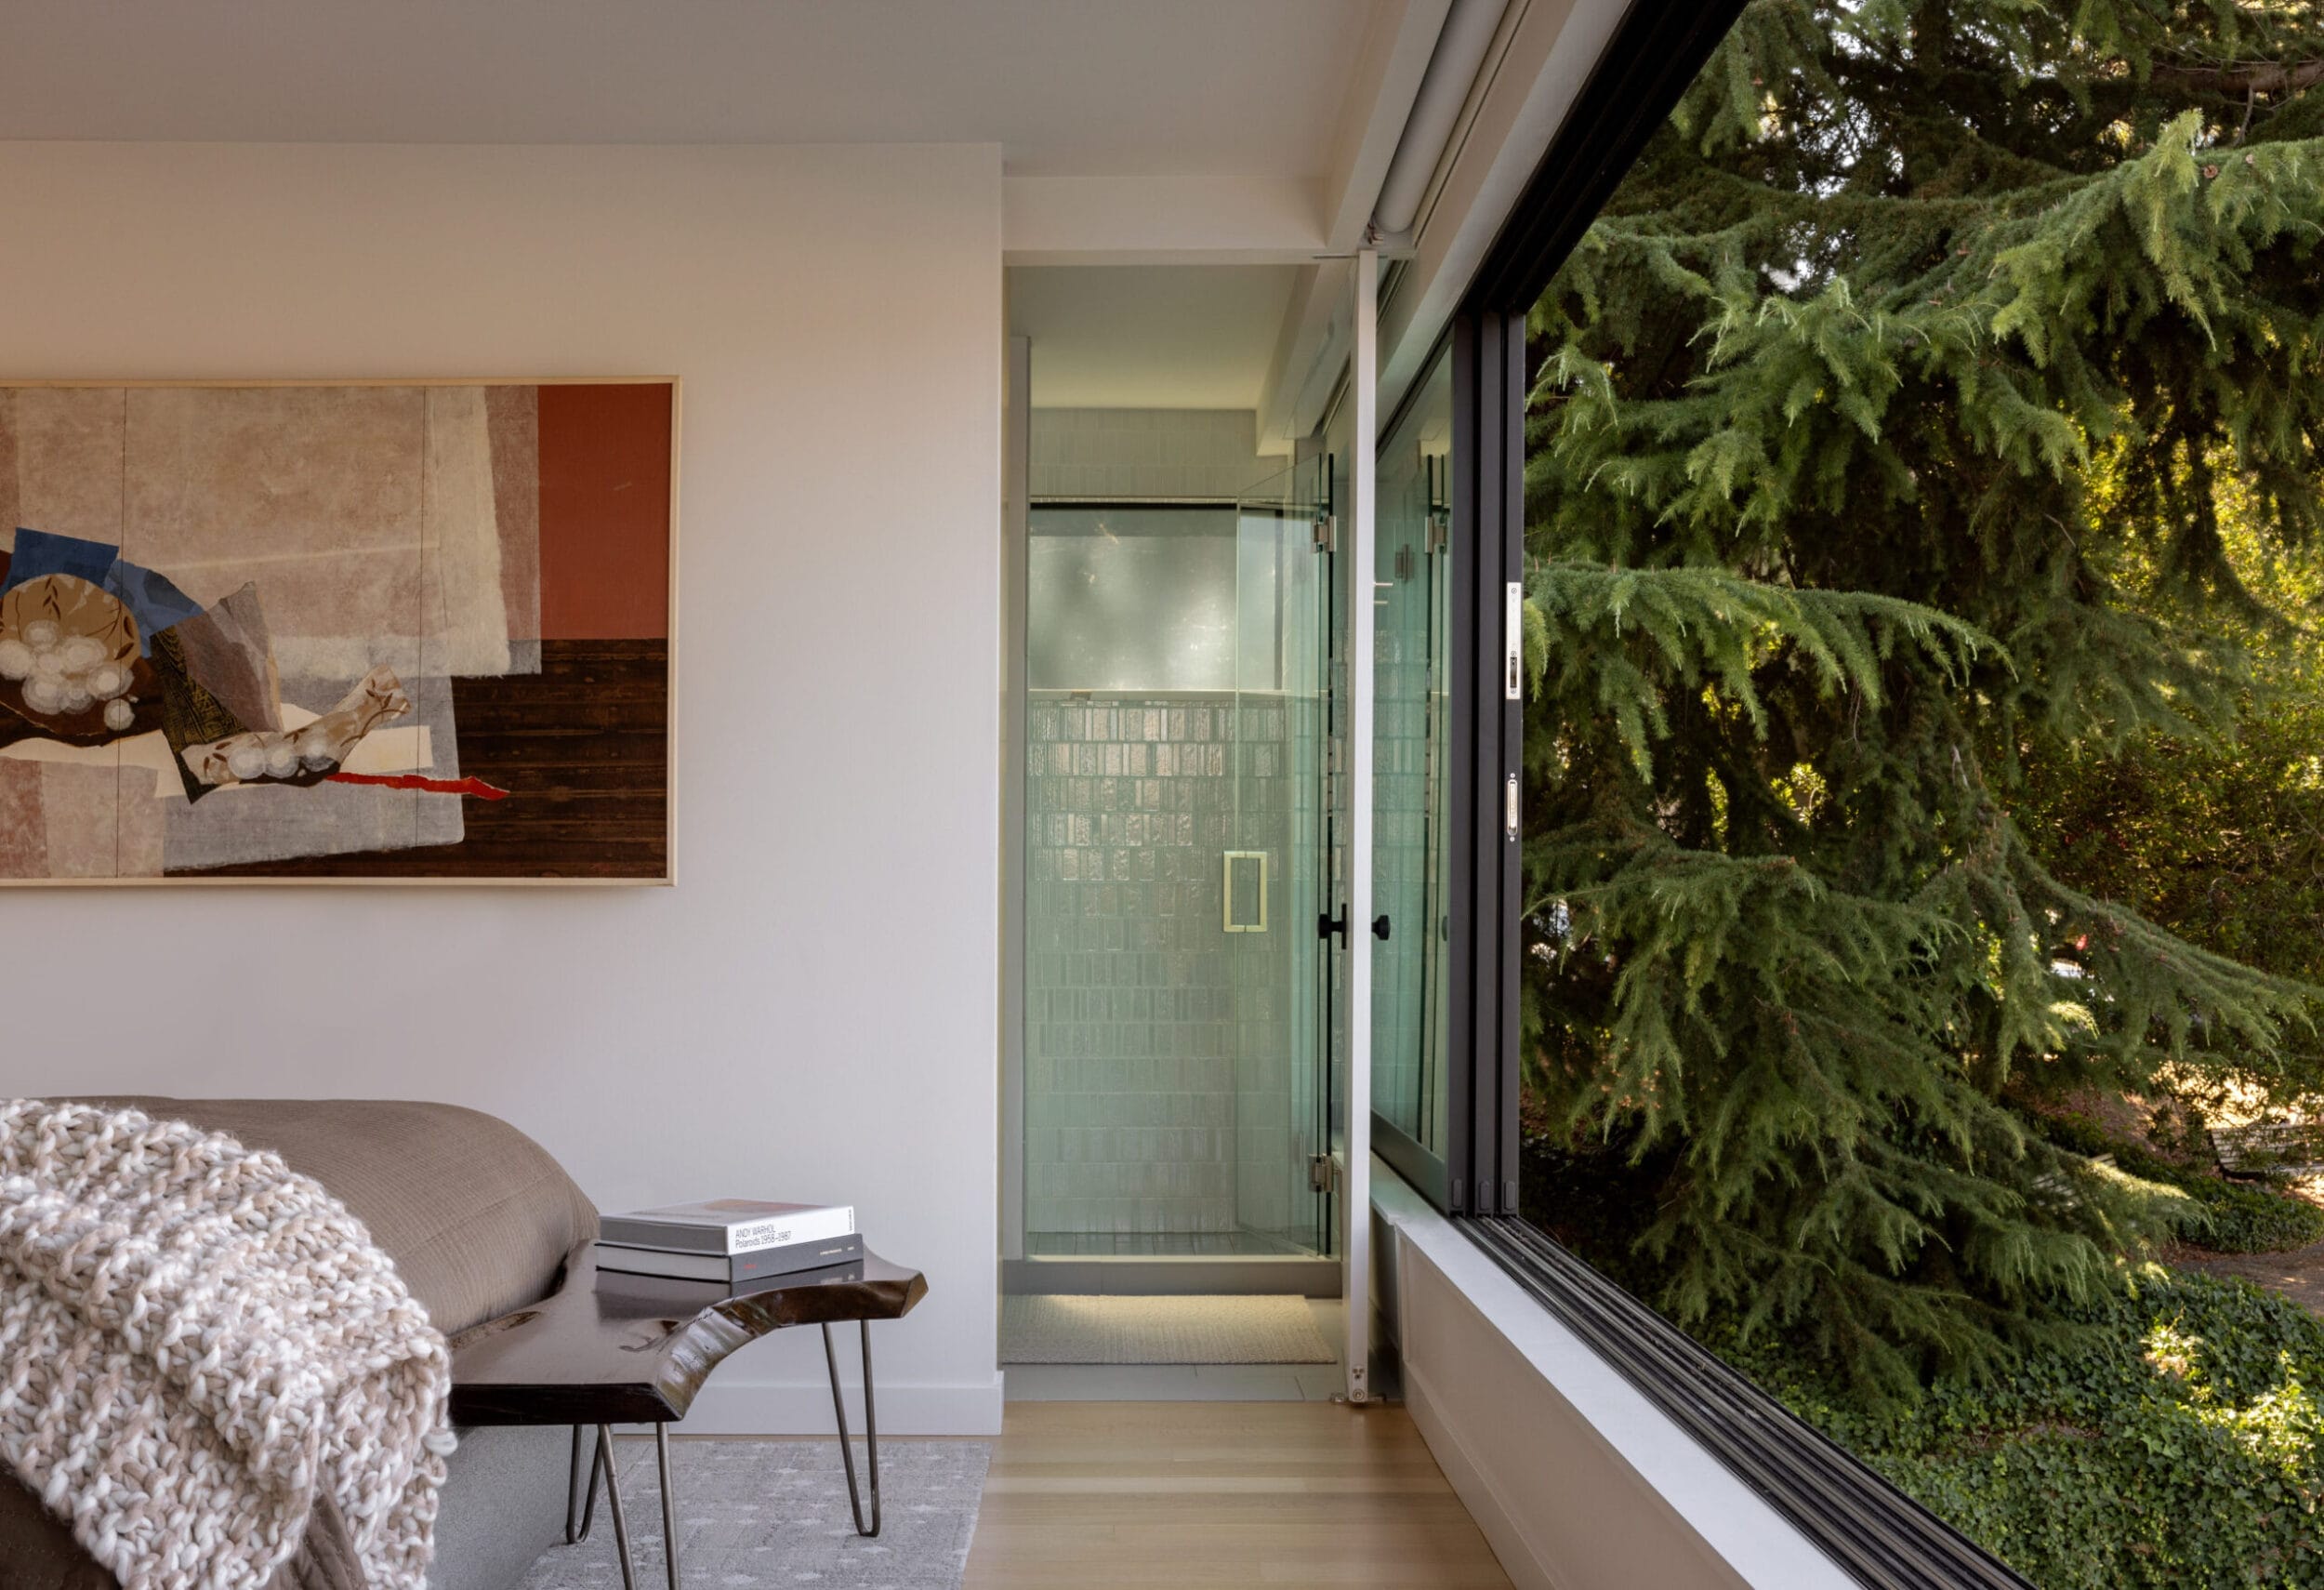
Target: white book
760 1264
728 1225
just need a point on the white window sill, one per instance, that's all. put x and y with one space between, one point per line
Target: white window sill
1578 1481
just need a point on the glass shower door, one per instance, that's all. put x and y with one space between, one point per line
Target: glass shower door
1274 868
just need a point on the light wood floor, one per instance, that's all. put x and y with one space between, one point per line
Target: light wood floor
1220 1493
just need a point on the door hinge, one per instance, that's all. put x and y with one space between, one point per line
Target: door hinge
1439 531
1327 533
1318 1172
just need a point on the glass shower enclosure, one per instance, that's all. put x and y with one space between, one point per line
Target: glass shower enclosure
1178 876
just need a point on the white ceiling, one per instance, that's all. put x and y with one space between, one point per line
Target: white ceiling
1150 335
1143 87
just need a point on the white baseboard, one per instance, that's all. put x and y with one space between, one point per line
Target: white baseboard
803 1407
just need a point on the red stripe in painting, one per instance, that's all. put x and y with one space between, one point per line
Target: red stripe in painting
475 786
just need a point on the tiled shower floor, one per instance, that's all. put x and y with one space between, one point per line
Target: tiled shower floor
1164 1245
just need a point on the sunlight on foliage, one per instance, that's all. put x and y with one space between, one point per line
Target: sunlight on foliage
1923 440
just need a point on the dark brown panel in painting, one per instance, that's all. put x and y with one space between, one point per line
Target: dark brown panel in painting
604 506
583 750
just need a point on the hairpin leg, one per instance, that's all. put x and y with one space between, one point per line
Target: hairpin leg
669 1504
612 1500
871 1431
576 1528
601 1455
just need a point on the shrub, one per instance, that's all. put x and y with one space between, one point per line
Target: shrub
2236 1219
2172 1445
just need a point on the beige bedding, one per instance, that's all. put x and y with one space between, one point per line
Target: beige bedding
477 1216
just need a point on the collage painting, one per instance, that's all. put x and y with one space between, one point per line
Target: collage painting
358 632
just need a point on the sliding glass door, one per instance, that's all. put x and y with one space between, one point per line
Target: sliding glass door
1412 587
1449 721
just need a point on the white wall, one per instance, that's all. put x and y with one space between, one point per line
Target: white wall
1095 453
810 1012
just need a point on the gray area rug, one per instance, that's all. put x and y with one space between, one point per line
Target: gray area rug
774 1513
1058 1329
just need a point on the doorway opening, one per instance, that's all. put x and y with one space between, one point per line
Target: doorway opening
1172 1087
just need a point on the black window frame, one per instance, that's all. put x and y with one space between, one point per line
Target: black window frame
1654 53
1484 731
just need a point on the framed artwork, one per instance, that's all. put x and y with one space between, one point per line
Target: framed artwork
337 632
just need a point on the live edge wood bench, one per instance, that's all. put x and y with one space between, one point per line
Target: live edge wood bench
638 1352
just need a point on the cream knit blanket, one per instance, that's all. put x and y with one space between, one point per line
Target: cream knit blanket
195 1343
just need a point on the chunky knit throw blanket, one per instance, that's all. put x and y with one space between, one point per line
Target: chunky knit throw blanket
195 1344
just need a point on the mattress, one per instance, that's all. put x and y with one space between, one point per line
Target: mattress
477 1216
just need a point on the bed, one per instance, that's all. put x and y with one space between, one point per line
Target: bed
479 1219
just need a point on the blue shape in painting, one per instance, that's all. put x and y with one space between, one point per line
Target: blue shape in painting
155 602
38 554
151 598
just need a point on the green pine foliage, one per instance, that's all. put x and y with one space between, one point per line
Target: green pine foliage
1910 328
2222 837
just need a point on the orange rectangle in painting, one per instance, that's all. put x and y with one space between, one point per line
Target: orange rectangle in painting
605 512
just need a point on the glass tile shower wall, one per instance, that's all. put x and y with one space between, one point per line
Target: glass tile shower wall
1169 1104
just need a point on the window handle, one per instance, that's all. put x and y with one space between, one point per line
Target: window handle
1513 643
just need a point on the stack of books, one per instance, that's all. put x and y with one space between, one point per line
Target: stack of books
730 1241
